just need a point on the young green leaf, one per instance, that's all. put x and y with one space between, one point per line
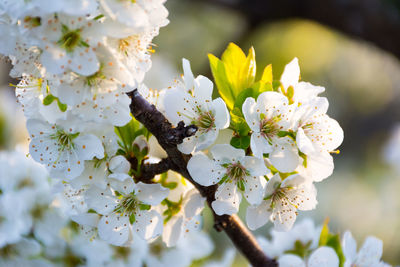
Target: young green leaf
221 80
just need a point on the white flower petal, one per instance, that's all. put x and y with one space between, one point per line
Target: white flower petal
291 74
89 146
204 170
349 246
224 153
222 118
119 164
102 201
148 224
187 74
172 231
87 219
323 257
370 253
257 216
227 199
259 145
290 260
285 158
251 116
194 203
303 142
151 194
114 229
203 88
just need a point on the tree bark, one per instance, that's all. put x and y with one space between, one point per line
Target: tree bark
168 137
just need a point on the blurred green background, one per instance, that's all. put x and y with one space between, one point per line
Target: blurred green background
362 84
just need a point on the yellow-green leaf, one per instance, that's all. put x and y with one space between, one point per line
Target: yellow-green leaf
267 74
220 77
247 72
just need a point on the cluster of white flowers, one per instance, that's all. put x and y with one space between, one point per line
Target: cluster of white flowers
301 247
36 232
292 139
76 60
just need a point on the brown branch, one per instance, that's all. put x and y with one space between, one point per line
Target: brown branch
168 137
375 21
148 171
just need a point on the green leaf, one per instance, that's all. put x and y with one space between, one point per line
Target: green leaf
262 86
276 86
249 92
267 74
242 142
128 134
233 73
247 73
220 77
238 123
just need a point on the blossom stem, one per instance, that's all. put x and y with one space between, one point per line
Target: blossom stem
168 137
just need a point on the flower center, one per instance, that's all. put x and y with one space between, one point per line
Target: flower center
205 121
64 140
235 172
269 127
128 205
70 39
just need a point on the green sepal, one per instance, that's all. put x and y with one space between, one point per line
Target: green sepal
165 183
224 179
173 208
304 157
98 17
300 249
241 185
50 99
289 134
132 218
144 207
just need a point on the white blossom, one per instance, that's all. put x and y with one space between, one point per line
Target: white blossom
368 255
131 212
281 202
192 103
61 147
234 172
267 117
